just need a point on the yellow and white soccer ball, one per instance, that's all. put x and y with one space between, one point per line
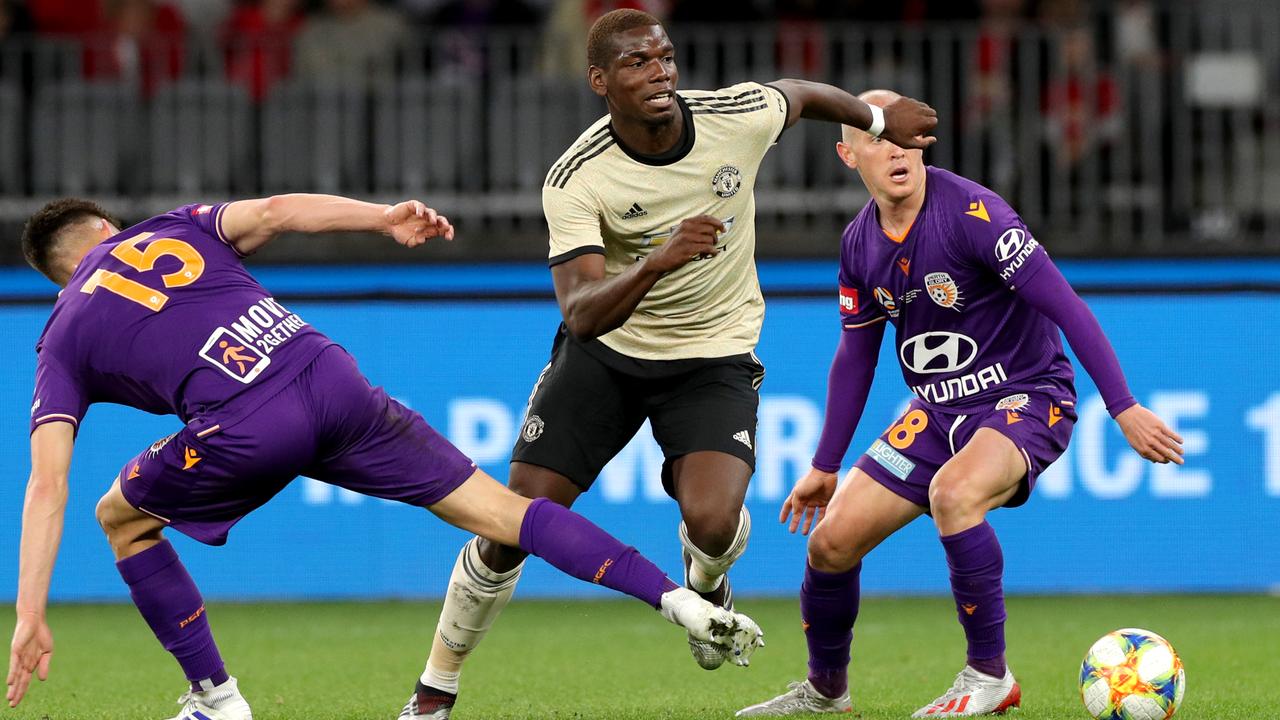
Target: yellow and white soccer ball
1132 674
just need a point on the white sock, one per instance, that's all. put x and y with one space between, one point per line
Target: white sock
440 680
475 598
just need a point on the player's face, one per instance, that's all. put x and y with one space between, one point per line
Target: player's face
640 82
888 170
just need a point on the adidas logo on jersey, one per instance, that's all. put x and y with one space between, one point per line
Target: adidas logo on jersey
634 212
743 437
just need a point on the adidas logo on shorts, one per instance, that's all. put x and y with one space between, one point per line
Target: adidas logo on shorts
743 437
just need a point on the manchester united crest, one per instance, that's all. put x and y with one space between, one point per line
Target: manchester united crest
943 290
726 181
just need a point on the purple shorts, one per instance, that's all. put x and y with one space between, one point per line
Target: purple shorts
907 455
329 424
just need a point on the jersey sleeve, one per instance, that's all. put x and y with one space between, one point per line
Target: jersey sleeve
993 235
58 396
857 308
779 107
763 107
573 222
208 218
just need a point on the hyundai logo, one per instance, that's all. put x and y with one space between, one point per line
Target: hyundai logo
937 352
1009 243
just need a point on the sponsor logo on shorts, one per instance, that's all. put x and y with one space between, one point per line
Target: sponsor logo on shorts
727 181
1011 417
189 458
1014 402
158 445
135 472
533 428
848 303
943 290
1055 414
891 459
743 437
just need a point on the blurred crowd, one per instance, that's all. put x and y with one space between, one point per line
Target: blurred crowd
265 41
258 44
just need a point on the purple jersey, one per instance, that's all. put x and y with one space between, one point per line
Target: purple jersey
163 317
964 338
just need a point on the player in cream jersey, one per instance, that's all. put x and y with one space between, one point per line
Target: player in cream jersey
652 222
600 198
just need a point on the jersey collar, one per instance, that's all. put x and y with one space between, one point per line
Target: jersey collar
676 153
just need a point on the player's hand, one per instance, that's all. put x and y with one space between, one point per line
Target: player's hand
411 223
808 500
693 239
1149 436
29 653
908 122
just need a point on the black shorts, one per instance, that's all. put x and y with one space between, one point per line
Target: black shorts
589 402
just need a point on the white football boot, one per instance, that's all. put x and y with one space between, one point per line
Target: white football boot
709 655
736 633
427 704
800 697
223 702
975 693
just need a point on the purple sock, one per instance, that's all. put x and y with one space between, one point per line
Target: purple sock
575 546
828 608
171 604
977 568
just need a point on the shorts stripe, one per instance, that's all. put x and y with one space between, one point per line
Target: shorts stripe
951 434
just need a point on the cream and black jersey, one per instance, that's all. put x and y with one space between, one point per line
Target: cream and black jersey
602 197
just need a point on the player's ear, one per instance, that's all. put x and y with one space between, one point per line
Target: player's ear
595 78
846 155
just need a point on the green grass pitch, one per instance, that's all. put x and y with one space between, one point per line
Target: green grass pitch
616 659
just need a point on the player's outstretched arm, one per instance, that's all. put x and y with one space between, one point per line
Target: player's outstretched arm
1149 436
42 514
250 224
848 384
593 304
907 122
1048 291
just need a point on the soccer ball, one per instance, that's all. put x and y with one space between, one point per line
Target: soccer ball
1132 674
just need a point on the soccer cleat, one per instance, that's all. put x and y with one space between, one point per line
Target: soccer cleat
709 655
975 693
736 633
800 697
428 703
223 702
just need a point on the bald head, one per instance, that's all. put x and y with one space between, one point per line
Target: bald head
879 98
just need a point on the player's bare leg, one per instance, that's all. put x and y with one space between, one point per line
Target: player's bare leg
710 487
169 601
575 546
484 579
984 475
861 514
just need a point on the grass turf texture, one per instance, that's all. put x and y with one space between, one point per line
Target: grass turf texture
617 660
